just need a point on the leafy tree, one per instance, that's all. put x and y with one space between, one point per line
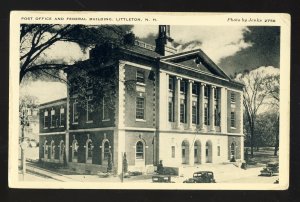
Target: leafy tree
35 39
266 129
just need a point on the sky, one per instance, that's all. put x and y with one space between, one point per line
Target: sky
234 49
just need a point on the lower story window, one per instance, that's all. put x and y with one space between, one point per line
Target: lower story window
173 151
139 150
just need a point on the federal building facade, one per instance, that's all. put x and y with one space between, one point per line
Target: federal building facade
182 109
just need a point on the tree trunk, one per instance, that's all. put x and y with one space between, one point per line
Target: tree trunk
252 138
22 74
276 139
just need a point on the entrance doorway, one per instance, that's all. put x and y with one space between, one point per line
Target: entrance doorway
185 152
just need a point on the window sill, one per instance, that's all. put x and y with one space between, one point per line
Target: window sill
61 126
140 159
140 84
75 123
105 120
232 127
52 127
45 127
140 120
89 122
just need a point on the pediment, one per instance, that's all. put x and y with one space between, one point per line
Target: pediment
197 60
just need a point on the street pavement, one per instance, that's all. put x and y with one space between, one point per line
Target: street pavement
223 173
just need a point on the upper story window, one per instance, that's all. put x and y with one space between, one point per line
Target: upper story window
105 110
140 108
232 118
195 89
52 118
217 115
216 95
182 86
89 109
206 92
140 76
232 97
62 117
171 109
75 111
182 112
206 114
171 83
194 113
46 119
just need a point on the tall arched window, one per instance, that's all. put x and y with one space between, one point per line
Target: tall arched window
46 149
232 152
52 149
89 151
185 152
139 150
61 151
106 150
75 147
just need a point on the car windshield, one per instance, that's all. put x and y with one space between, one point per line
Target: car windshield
198 174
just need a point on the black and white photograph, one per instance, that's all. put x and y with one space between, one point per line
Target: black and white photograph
151 101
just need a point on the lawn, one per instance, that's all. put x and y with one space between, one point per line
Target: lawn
262 157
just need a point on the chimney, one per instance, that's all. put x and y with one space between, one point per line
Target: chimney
163 41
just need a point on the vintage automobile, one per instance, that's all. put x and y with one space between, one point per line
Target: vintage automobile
161 179
270 170
201 177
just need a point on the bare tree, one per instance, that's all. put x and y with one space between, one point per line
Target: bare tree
272 86
255 96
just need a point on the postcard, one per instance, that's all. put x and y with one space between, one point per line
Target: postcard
149 100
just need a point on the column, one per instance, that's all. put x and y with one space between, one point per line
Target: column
177 102
223 106
201 106
163 100
189 104
212 108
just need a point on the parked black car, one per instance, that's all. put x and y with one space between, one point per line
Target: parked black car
161 179
201 177
270 170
